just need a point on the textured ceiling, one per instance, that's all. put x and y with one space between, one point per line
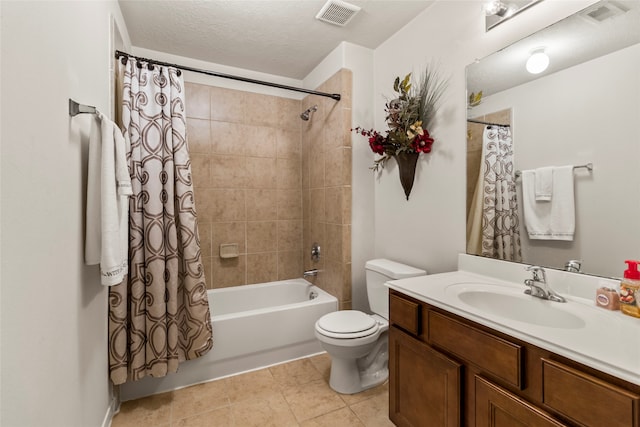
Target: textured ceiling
280 37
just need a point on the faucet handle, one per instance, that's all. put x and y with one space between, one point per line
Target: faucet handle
537 273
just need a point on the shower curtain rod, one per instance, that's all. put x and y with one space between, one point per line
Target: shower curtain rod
335 96
488 123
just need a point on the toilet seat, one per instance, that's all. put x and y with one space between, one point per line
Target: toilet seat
347 324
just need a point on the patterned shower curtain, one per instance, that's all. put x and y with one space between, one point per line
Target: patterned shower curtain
500 223
159 316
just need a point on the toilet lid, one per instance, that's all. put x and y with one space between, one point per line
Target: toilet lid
347 324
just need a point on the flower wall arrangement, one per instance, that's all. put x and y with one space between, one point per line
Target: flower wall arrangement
409 116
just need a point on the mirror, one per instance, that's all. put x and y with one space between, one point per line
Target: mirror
584 108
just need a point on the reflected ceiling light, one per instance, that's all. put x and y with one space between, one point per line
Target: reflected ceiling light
496 7
538 61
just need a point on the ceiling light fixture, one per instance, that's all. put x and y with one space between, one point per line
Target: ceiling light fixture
538 61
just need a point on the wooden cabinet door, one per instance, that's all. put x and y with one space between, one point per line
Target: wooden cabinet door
424 385
496 407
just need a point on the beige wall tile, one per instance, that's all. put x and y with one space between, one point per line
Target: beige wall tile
199 135
346 205
334 208
334 166
289 173
289 204
317 205
290 235
227 171
261 172
290 265
288 143
262 205
207 263
334 242
259 141
200 170
261 110
228 232
227 138
204 232
289 111
224 205
316 169
346 245
262 267
262 236
228 272
228 105
197 101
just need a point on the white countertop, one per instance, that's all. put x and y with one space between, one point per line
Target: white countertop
609 340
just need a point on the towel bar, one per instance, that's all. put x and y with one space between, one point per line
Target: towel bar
588 166
75 108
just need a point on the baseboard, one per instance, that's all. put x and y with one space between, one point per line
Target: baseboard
112 410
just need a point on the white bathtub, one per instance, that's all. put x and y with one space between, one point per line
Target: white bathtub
253 326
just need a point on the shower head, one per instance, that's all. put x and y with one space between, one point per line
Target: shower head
307 113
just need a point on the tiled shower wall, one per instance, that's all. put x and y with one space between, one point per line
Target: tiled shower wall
326 186
273 184
246 166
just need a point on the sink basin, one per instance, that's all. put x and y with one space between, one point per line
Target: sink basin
515 305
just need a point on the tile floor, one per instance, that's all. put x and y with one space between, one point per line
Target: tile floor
292 394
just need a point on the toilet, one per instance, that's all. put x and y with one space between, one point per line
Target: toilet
358 342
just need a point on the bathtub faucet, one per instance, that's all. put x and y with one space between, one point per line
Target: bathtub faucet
310 273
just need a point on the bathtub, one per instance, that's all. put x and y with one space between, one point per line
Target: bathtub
254 326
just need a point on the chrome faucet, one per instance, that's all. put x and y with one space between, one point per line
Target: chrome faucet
539 287
573 266
310 273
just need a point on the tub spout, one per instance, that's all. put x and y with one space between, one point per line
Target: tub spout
310 273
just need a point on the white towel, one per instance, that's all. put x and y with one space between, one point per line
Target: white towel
553 220
544 183
108 190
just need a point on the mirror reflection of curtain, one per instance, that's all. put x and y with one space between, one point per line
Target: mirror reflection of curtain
493 223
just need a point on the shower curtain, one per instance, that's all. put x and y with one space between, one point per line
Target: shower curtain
493 229
159 316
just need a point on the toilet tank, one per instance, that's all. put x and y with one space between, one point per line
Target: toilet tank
379 271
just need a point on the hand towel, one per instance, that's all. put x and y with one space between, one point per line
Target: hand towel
108 190
544 183
553 220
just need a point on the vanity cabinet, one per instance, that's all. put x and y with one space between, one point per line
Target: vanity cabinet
445 370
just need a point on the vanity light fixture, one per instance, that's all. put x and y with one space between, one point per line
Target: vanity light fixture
496 7
538 61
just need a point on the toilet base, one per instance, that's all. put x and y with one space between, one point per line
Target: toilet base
350 376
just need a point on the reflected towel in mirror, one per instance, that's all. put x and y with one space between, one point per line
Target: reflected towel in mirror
553 220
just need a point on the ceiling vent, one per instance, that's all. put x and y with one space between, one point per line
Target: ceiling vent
337 12
601 12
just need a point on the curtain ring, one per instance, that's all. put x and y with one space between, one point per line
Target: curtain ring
179 73
150 66
139 64
124 59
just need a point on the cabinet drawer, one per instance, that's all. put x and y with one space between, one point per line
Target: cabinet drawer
586 399
405 314
493 355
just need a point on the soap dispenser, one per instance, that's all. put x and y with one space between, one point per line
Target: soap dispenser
630 290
